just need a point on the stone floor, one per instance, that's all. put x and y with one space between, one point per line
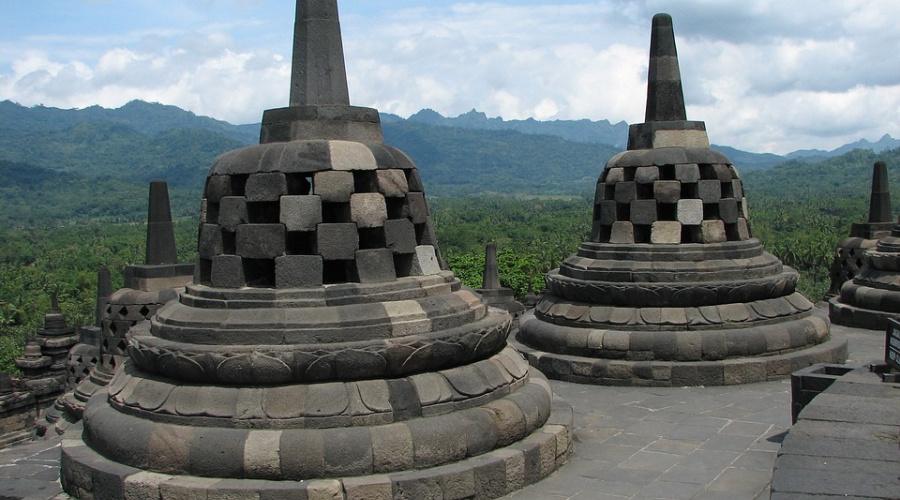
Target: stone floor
631 443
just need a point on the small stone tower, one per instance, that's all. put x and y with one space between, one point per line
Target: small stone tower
321 351
851 252
672 289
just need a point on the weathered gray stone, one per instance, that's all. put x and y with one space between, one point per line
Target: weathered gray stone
392 183
260 241
425 262
228 271
646 175
368 210
400 236
713 231
334 186
338 241
622 233
301 213
710 191
667 191
643 212
297 271
665 233
690 212
266 187
418 209
233 212
687 173
375 266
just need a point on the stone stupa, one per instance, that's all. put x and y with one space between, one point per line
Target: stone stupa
321 352
672 289
873 296
850 255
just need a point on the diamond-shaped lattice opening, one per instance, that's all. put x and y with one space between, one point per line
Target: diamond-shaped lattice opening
123 311
145 311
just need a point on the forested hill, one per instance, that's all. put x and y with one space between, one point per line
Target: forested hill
73 166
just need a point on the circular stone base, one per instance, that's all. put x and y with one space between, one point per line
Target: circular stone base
89 475
613 372
857 317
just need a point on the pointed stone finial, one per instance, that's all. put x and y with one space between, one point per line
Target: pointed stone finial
54 302
318 73
666 124
491 280
160 231
880 202
665 96
104 290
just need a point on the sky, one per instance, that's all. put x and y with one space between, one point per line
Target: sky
765 75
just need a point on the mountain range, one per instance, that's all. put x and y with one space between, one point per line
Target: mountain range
63 166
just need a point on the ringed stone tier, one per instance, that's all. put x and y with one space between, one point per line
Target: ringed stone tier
850 254
321 351
672 289
873 296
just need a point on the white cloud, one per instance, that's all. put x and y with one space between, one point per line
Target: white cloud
765 75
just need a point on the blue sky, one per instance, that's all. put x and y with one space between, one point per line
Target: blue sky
766 76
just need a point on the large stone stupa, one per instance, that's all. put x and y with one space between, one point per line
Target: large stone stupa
321 351
672 289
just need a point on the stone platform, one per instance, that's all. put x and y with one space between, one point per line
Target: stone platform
638 443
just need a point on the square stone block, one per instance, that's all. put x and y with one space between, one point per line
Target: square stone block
368 209
348 155
333 186
665 233
723 172
728 210
667 191
607 212
646 175
227 271
392 183
233 212
643 212
626 191
400 236
375 266
210 241
615 175
301 213
713 231
622 233
298 271
414 180
217 187
425 261
690 212
418 208
737 188
338 241
266 186
687 172
710 191
743 229
745 208
599 193
260 241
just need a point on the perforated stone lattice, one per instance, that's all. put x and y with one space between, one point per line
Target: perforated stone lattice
311 213
670 204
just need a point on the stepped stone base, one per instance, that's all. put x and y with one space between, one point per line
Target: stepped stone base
89 475
668 373
870 319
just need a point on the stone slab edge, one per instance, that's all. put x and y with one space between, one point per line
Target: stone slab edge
610 372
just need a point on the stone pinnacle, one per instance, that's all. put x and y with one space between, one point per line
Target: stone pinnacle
104 290
318 74
665 97
160 231
880 202
491 279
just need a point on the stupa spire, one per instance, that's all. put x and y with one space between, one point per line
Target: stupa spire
665 96
160 231
880 201
318 73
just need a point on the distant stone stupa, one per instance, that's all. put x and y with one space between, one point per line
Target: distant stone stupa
672 289
322 351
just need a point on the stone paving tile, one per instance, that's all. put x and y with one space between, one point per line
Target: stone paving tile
674 447
669 490
651 461
756 460
737 483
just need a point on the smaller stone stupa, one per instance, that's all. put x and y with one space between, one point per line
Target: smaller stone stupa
492 290
148 287
873 296
850 254
672 289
